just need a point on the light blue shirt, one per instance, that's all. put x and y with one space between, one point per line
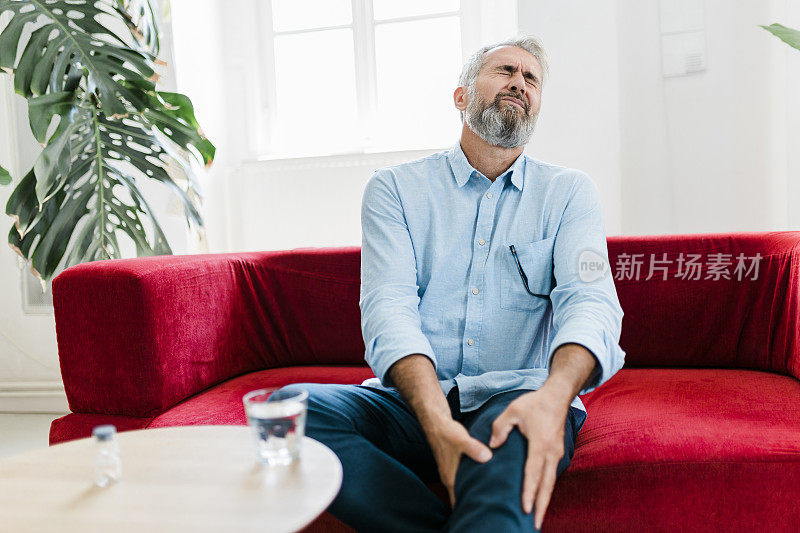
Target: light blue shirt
438 277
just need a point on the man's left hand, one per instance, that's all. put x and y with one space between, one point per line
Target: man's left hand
540 417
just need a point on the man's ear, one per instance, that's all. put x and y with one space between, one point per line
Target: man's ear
460 98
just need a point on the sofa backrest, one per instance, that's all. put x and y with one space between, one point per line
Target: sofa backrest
135 336
711 300
721 317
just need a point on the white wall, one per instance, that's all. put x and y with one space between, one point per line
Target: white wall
711 151
218 72
706 152
578 124
28 356
786 127
313 201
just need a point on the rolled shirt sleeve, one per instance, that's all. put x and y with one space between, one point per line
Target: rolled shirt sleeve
389 295
586 308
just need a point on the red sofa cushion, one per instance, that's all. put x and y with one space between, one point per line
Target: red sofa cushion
658 442
682 447
218 405
223 404
660 445
79 425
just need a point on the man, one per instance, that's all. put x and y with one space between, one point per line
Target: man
480 350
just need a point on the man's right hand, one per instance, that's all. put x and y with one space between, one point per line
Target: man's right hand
448 441
415 378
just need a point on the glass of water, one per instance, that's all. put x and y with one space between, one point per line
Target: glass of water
278 420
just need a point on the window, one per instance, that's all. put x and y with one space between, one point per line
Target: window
344 76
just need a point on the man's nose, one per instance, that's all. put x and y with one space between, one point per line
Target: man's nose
517 82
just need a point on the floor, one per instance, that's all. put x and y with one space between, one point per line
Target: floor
23 432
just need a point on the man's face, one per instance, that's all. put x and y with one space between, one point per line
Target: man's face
503 103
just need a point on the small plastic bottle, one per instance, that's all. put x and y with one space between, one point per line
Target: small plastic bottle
107 462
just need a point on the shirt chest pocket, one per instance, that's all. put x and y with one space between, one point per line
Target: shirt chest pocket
536 262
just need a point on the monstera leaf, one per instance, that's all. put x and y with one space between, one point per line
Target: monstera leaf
5 177
93 105
70 41
82 191
788 35
85 182
141 20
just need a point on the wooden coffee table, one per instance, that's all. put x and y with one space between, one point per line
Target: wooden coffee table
196 478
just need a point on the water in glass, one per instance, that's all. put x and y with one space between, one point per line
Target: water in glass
278 424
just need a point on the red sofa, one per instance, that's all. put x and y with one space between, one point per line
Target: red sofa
699 431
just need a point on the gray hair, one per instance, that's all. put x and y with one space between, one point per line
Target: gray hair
527 42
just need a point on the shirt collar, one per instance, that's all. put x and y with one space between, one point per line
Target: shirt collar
462 170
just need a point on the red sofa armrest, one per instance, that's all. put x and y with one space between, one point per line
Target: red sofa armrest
136 336
706 322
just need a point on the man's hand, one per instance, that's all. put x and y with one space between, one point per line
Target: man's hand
448 442
540 417
416 379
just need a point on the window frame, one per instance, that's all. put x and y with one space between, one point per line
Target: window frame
480 21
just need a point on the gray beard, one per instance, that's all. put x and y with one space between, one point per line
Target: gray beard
496 125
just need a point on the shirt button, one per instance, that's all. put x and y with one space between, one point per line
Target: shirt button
471 342
488 195
481 242
475 291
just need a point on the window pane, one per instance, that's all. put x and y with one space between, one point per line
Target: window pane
390 9
316 92
301 15
418 64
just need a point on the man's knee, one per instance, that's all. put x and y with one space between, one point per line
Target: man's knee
505 470
508 457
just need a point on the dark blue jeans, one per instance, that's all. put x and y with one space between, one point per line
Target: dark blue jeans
387 462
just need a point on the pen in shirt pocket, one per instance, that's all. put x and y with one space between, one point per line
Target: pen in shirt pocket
524 277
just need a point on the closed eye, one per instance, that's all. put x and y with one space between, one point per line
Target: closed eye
530 77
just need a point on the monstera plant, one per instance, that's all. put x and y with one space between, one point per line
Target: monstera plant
87 69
